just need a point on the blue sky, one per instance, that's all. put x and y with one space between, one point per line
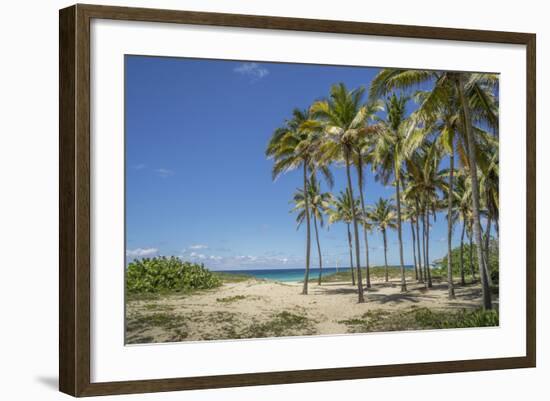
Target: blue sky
198 184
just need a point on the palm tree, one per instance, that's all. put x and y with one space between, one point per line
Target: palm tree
341 118
415 212
388 158
292 147
466 87
426 180
362 157
462 211
367 229
319 203
383 216
342 212
489 189
410 215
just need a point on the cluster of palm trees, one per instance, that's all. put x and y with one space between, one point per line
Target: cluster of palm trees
440 157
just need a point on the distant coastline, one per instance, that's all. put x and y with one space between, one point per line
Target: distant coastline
292 274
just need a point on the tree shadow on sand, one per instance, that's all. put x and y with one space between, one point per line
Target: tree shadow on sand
397 298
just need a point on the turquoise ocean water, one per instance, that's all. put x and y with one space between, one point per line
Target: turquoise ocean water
289 274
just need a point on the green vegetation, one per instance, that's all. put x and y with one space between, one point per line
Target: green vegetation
233 277
231 299
163 274
420 319
377 272
469 253
281 324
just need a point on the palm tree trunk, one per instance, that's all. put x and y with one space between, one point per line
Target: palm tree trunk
487 303
351 257
308 233
414 251
427 261
472 270
361 298
385 253
361 184
399 234
486 249
318 248
462 280
424 248
450 284
418 243
367 267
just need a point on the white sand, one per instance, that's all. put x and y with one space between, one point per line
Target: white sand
210 314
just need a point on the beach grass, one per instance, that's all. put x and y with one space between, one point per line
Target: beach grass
226 277
420 319
233 298
376 273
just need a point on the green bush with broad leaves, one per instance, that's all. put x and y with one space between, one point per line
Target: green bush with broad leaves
162 274
441 265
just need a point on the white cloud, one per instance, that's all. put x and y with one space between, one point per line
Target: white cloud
198 246
196 255
252 70
139 166
163 172
141 252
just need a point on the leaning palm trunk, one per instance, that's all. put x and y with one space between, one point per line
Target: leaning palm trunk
351 257
414 251
361 184
308 234
361 298
402 263
385 254
462 280
450 284
487 303
318 248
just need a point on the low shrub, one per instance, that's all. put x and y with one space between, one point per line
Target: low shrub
150 275
464 318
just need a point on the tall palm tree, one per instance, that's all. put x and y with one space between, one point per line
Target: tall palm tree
367 229
462 211
388 155
292 147
342 212
489 189
341 118
441 120
409 214
413 206
362 157
383 216
319 203
426 180
466 86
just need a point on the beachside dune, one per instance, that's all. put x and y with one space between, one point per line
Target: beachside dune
254 308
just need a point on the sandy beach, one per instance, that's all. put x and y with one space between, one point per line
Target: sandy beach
256 308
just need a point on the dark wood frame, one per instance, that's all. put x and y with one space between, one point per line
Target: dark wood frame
74 199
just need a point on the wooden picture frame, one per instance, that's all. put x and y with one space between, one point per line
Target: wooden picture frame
74 203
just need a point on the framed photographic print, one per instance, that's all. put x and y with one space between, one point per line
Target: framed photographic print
250 200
